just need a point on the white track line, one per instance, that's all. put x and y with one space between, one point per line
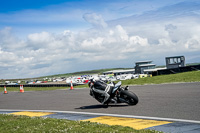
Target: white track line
103 114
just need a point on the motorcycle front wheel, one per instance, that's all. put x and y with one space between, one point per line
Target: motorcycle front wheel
130 97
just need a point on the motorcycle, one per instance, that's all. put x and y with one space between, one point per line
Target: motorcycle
117 93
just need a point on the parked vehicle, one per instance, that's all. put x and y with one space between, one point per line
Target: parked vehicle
135 76
85 81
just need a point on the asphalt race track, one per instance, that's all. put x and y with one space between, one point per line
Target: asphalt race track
177 101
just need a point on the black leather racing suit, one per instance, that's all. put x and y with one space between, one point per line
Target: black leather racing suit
102 88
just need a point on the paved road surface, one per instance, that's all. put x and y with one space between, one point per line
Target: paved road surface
178 101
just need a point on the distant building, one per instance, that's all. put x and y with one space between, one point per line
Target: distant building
120 72
175 62
141 66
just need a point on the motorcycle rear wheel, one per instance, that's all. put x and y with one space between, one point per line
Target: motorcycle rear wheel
130 97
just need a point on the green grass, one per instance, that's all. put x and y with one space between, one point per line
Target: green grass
193 76
24 124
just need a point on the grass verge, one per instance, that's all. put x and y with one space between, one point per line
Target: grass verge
193 76
22 124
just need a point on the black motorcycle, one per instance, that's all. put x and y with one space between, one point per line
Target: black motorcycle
117 93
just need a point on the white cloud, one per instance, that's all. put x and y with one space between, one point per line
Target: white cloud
46 53
94 43
43 37
193 43
96 20
106 44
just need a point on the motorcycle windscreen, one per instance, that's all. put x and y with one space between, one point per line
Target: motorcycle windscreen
118 84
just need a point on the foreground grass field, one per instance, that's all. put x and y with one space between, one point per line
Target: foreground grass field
24 124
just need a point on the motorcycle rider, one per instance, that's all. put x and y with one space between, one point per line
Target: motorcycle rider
101 88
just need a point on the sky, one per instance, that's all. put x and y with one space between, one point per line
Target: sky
41 38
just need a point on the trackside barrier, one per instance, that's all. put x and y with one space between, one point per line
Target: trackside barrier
143 75
39 85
